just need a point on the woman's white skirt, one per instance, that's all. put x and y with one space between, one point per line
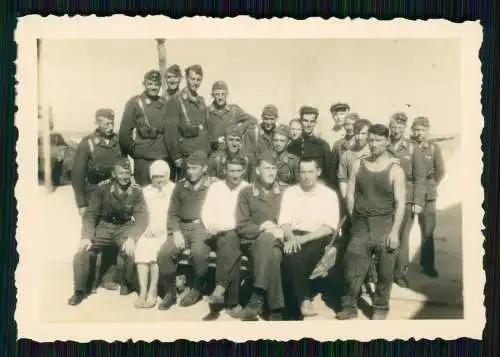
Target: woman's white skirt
147 248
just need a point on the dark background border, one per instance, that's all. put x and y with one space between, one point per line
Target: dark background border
486 11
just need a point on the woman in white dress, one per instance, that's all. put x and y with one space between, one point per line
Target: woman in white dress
157 196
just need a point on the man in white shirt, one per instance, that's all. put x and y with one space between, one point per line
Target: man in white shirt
309 215
219 217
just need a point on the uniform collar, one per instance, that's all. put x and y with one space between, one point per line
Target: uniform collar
206 181
98 137
257 188
403 144
222 111
115 188
186 95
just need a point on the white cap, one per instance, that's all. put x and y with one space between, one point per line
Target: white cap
159 167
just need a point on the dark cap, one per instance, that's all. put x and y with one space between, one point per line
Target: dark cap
198 157
306 109
105 113
153 75
219 85
269 157
282 130
123 162
233 130
400 118
174 69
196 68
340 107
270 110
423 121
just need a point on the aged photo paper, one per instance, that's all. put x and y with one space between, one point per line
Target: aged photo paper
84 68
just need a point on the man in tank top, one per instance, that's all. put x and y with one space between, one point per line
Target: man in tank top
376 204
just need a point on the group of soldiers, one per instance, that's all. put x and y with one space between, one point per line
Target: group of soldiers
244 187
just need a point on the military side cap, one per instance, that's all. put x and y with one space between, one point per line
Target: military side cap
153 75
270 111
282 130
400 117
233 130
105 113
339 107
268 156
219 85
174 69
196 68
306 109
198 157
123 162
423 121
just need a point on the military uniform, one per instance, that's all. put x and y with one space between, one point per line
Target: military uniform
434 164
254 207
95 157
288 168
142 131
184 215
217 164
259 141
411 160
187 123
113 216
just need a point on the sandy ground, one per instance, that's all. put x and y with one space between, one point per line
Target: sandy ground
426 298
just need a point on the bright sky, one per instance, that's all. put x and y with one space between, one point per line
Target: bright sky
376 77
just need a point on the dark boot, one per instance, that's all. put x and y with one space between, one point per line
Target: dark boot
234 312
169 300
402 282
347 314
253 308
110 285
431 272
275 316
191 298
125 290
77 298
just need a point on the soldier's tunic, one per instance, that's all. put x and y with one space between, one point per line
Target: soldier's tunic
288 168
220 119
112 216
93 163
313 147
257 141
184 215
217 165
187 125
145 117
435 171
412 163
254 207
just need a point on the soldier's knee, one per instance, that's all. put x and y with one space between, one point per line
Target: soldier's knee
266 239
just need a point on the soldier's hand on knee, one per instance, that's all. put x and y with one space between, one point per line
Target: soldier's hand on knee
292 245
129 246
84 245
267 225
81 211
179 240
416 209
392 241
277 232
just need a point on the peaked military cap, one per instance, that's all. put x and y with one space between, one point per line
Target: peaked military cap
270 110
219 85
123 162
153 75
196 68
423 121
105 113
282 130
400 117
233 130
340 107
352 116
268 156
198 157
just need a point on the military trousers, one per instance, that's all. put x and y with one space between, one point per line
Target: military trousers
266 253
84 263
368 238
403 258
297 268
427 222
141 171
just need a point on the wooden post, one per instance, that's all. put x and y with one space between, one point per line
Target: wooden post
162 63
45 117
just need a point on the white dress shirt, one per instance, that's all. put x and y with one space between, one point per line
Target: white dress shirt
218 213
308 211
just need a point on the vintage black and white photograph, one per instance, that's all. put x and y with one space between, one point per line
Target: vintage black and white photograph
253 180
